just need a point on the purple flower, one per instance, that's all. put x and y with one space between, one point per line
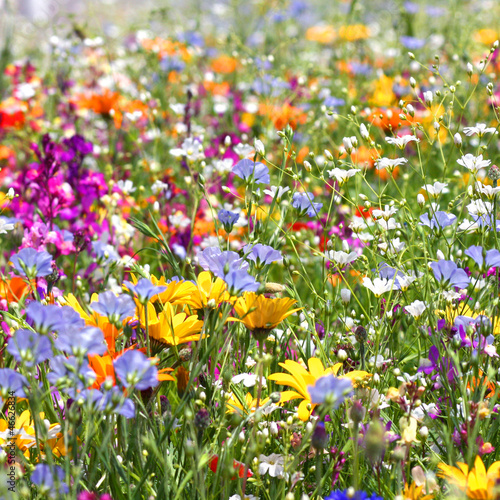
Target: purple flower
144 289
219 262
29 347
228 219
439 220
262 254
347 495
115 308
12 382
448 273
115 402
71 371
249 170
330 390
304 204
134 369
49 479
87 340
31 263
46 319
480 256
105 252
238 280
412 43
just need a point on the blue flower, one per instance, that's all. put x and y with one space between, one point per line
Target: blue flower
412 43
134 369
31 263
304 204
12 382
105 253
330 390
72 372
262 254
114 401
447 272
144 289
248 170
238 281
439 220
115 308
46 319
346 495
29 347
219 262
480 256
88 340
228 219
49 479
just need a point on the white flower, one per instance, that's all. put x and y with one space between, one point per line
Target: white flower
24 91
276 191
272 464
394 246
259 147
405 281
479 207
342 175
159 186
243 150
457 139
5 226
401 142
389 163
248 379
191 148
223 166
488 191
385 214
436 189
428 97
246 497
342 258
416 308
178 108
126 187
480 129
389 224
378 286
473 163
363 131
345 295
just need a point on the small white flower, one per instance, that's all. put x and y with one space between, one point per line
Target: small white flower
378 286
473 163
341 175
480 129
191 149
479 207
272 464
276 191
243 150
394 246
428 97
24 91
436 189
416 308
259 147
385 214
126 187
5 226
389 163
488 191
345 295
457 139
364 131
342 258
248 379
401 142
388 224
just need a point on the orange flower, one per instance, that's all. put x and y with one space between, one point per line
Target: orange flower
283 115
224 64
13 290
100 103
354 32
321 34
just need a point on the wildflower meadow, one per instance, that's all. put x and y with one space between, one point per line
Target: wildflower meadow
249 250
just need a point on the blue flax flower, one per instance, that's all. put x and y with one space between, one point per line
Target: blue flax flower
439 220
144 289
115 308
304 204
29 347
447 272
84 341
11 382
346 495
228 219
49 480
481 257
238 280
330 390
75 374
31 263
114 401
133 368
262 254
247 169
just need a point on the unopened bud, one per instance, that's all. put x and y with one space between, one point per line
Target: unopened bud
428 97
328 155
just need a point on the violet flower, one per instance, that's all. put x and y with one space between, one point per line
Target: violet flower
31 263
29 347
144 290
330 390
115 308
490 258
134 369
448 273
438 220
249 170
304 204
262 255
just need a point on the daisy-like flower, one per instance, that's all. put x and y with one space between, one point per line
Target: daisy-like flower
403 141
378 286
389 163
473 163
169 328
248 405
208 292
300 379
341 176
477 482
480 129
416 308
261 314
191 149
272 465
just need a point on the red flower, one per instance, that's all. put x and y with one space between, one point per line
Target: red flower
214 461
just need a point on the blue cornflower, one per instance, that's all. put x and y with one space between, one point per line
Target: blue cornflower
144 289
248 170
262 254
29 347
447 272
347 495
49 480
439 220
115 308
71 372
133 368
330 390
31 263
11 382
85 341
481 257
228 219
304 204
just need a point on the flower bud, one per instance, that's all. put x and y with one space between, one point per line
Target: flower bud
470 69
457 139
345 295
428 97
328 155
259 147
420 199
413 82
307 166
364 131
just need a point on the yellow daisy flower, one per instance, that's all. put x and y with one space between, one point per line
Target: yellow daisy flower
234 405
300 379
177 292
208 290
476 483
